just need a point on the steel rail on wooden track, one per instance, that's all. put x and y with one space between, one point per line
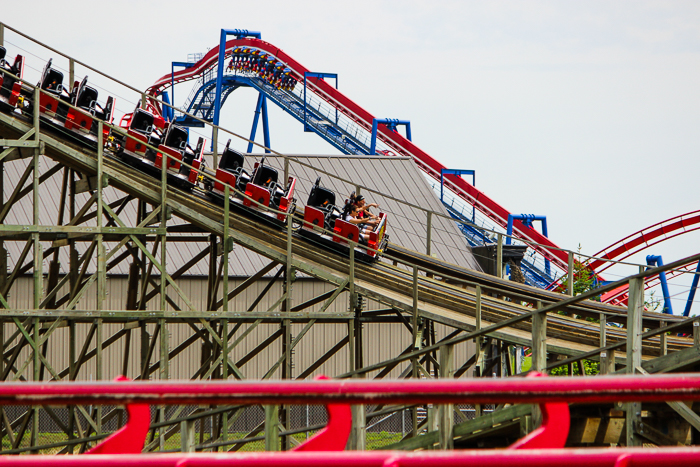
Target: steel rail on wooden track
447 303
543 446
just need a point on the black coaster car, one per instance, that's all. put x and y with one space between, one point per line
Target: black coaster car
13 95
144 128
56 113
262 186
322 213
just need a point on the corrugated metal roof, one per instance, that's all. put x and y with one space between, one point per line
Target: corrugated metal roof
393 176
384 178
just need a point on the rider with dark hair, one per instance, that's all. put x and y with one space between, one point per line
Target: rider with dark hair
364 212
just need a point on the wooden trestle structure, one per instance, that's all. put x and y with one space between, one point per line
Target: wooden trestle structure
411 292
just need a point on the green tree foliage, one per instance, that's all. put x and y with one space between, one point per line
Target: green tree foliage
585 278
589 366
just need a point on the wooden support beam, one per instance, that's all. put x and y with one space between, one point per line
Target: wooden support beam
539 340
681 408
271 428
635 309
446 411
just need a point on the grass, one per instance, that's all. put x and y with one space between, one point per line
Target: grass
375 440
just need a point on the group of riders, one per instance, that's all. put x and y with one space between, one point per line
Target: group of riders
267 67
357 212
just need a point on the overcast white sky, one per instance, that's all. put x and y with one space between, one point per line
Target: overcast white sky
586 112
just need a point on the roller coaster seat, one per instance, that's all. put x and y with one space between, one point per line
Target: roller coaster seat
140 129
231 160
230 170
313 217
266 176
52 80
321 197
52 83
141 122
87 99
176 138
174 145
105 113
9 74
262 186
195 159
345 230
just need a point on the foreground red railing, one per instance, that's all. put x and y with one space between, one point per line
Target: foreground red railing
542 447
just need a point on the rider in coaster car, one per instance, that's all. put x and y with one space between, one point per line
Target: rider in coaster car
351 213
363 209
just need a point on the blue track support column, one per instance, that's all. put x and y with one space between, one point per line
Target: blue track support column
527 219
391 123
314 74
220 75
172 84
458 172
657 260
691 293
256 118
266 124
239 33
168 112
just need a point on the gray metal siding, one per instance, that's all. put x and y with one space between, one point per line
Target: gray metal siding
382 341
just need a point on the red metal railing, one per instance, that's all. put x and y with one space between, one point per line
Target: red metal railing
542 447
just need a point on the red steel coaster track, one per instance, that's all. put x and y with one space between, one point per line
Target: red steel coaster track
398 143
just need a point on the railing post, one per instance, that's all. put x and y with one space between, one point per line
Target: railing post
215 146
428 236
607 357
38 249
479 344
163 221
499 256
635 308
164 373
663 341
358 431
289 273
414 317
570 280
607 362
358 439
224 369
603 341
351 277
272 428
101 254
446 411
539 340
416 344
187 435
696 333
71 74
227 216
